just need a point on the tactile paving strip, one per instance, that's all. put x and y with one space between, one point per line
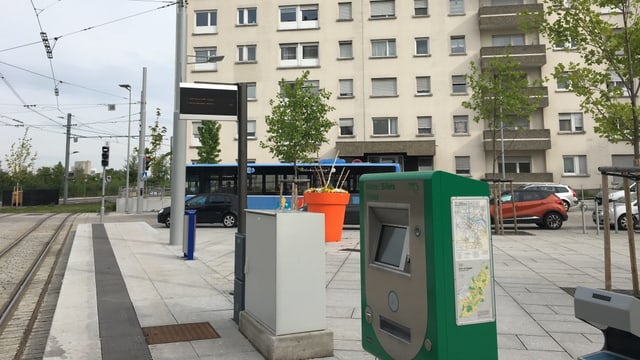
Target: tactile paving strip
179 332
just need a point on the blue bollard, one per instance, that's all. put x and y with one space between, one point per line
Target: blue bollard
190 232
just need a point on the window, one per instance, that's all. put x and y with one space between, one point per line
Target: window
344 11
420 7
202 59
313 85
384 87
346 50
571 122
425 163
513 122
423 85
459 84
457 44
346 88
562 82
575 165
383 8
565 45
463 165
206 22
246 16
346 126
299 17
516 164
302 54
456 7
385 126
251 91
195 133
251 129
461 124
422 46
507 40
616 82
246 53
424 125
383 48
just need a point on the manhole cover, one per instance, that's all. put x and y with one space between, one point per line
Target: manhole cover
178 333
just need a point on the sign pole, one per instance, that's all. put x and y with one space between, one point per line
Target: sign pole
104 180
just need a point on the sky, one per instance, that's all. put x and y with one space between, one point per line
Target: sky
96 45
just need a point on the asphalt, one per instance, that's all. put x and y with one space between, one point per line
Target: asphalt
535 273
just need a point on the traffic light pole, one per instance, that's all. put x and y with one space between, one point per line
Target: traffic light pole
104 180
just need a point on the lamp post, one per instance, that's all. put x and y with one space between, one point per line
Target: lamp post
126 199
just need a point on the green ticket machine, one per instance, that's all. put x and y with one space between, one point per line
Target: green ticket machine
426 267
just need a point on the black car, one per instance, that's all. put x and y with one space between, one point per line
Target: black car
210 208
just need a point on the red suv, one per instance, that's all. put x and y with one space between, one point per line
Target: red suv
539 207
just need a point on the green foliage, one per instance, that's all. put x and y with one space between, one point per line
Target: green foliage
298 123
209 150
159 166
20 160
607 43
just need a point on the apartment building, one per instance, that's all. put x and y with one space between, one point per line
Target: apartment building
396 71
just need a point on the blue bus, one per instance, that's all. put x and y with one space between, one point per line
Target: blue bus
264 181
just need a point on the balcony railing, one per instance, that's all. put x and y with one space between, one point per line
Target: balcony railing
518 140
529 56
503 16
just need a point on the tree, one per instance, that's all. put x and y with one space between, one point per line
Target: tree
20 160
298 123
209 150
501 94
608 43
158 160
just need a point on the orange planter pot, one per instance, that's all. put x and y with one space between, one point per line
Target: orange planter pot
332 205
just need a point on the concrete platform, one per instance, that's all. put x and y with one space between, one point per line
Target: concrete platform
534 314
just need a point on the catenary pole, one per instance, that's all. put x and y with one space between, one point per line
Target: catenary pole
141 142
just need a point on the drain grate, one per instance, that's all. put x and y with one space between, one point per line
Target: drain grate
350 249
179 332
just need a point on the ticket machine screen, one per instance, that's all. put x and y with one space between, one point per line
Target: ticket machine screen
392 247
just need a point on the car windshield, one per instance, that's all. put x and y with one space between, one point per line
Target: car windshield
197 200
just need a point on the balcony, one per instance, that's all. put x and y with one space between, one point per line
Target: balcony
518 140
523 178
410 147
529 56
544 91
504 16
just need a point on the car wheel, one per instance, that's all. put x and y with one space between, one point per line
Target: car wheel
552 220
167 222
566 205
229 220
622 222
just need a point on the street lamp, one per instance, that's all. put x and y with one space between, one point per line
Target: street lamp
126 199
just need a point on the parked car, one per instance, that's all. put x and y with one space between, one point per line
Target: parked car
543 208
564 192
210 208
615 194
619 216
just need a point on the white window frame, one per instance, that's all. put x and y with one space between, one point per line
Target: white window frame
387 47
463 165
461 124
563 84
454 45
243 18
575 120
244 52
202 56
574 165
382 9
195 134
458 84
516 164
209 28
345 11
252 94
423 85
565 45
391 126
508 40
422 40
300 60
384 87
425 125
300 22
344 47
251 129
456 7
345 88
420 7
616 81
346 127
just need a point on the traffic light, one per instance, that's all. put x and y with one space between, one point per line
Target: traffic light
147 162
105 156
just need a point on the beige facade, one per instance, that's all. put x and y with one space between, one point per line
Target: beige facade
396 71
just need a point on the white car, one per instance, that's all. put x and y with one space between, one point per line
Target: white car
616 194
564 192
619 216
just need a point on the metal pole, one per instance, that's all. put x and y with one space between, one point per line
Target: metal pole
242 156
502 147
141 142
104 180
66 161
179 154
126 199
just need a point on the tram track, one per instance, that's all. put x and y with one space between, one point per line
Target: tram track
28 262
